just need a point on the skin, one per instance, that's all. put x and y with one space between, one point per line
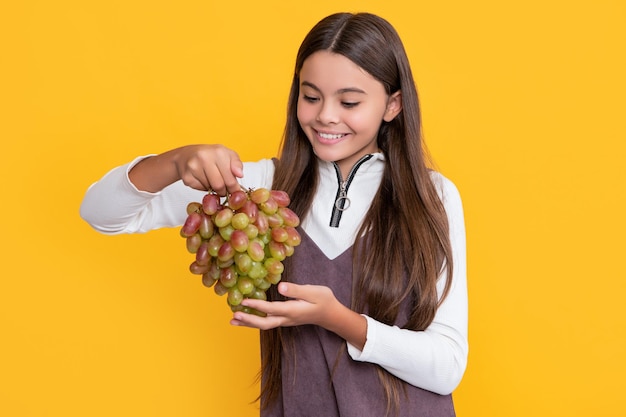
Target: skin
338 98
202 167
340 109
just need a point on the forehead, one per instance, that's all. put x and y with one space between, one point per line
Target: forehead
332 72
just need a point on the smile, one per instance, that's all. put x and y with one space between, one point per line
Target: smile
330 136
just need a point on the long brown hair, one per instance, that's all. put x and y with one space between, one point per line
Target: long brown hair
406 220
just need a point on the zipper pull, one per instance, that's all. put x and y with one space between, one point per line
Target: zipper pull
343 202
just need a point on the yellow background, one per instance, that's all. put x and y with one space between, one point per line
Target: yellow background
523 109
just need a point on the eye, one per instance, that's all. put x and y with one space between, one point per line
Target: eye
349 104
310 99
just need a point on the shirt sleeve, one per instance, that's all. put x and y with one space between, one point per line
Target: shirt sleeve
113 205
434 359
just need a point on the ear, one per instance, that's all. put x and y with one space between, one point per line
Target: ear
394 106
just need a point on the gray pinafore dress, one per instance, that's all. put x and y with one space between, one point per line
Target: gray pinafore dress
321 379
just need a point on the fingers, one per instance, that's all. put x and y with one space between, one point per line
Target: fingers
236 167
257 322
277 314
310 293
284 289
228 168
267 307
306 304
216 180
211 167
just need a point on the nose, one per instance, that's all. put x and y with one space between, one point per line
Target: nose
328 113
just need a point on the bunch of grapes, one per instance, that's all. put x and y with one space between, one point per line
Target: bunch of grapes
240 242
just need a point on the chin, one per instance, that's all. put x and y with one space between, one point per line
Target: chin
325 155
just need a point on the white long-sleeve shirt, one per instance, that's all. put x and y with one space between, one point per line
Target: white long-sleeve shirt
434 359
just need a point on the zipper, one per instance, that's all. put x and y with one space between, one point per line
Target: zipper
342 201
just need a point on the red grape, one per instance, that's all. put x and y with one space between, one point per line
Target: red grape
281 197
237 200
211 204
270 206
260 195
289 217
251 209
240 242
191 225
207 228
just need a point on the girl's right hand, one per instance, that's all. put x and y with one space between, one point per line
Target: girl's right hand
209 167
203 167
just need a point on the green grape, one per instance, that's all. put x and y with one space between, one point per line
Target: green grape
260 195
270 206
257 313
243 262
226 231
245 285
251 231
265 238
228 277
274 220
258 294
194 207
239 307
224 264
223 217
260 240
288 250
219 288
240 242
207 281
255 250
214 244
234 296
247 310
273 278
257 271
240 221
274 266
214 270
277 250
193 243
263 284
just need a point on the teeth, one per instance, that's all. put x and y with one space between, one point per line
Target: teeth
329 136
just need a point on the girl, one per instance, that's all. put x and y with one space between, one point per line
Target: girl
371 316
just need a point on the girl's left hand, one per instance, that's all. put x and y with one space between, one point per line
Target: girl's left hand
307 304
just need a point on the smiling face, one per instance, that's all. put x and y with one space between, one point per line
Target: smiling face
341 108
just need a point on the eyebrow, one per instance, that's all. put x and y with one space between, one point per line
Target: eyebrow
340 91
